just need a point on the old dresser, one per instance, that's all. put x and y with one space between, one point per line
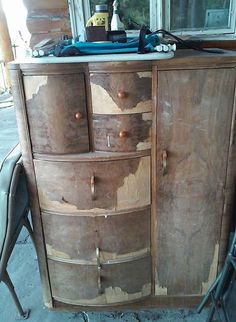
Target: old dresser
131 171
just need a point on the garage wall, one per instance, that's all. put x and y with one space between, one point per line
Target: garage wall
47 19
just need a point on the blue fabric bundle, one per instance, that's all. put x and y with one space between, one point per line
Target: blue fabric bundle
90 48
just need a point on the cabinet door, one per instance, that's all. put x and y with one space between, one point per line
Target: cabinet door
57 115
193 129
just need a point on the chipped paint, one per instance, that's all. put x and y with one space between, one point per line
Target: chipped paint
56 253
135 191
106 105
111 295
144 75
213 271
109 256
32 85
159 289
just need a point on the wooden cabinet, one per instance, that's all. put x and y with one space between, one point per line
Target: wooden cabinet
131 172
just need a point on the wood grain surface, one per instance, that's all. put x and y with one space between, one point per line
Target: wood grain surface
194 119
121 93
118 236
127 133
53 103
120 283
118 185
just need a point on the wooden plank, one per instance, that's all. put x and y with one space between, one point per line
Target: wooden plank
5 46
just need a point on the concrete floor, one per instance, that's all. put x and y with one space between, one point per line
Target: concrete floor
23 270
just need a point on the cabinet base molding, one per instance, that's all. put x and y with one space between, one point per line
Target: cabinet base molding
147 303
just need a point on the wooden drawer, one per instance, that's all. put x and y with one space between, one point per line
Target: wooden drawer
114 283
119 236
130 132
121 93
57 115
98 186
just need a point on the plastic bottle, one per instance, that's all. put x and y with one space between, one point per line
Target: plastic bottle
116 24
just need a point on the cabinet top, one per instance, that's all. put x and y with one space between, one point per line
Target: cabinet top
181 59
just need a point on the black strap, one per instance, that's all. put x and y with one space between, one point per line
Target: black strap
141 44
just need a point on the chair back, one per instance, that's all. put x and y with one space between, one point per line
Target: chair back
13 203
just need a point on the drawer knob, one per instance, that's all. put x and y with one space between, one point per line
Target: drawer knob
78 116
123 134
121 94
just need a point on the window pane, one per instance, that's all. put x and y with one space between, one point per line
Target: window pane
199 14
133 13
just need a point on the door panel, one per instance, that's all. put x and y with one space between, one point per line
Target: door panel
193 128
56 108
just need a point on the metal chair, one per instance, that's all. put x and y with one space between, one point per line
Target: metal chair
14 209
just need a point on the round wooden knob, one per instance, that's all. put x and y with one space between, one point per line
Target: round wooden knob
121 94
123 134
78 116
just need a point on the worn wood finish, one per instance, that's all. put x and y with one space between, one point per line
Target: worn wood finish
118 236
67 186
121 93
57 100
193 127
229 193
120 283
187 179
160 302
23 130
127 133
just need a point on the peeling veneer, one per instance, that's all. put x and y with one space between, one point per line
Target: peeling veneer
32 85
111 295
136 188
213 271
107 105
134 191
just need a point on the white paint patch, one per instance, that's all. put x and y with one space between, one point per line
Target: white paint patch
147 116
56 253
159 289
144 74
32 85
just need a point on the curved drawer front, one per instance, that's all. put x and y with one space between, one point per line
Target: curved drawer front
121 93
71 187
86 285
116 237
130 132
56 109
